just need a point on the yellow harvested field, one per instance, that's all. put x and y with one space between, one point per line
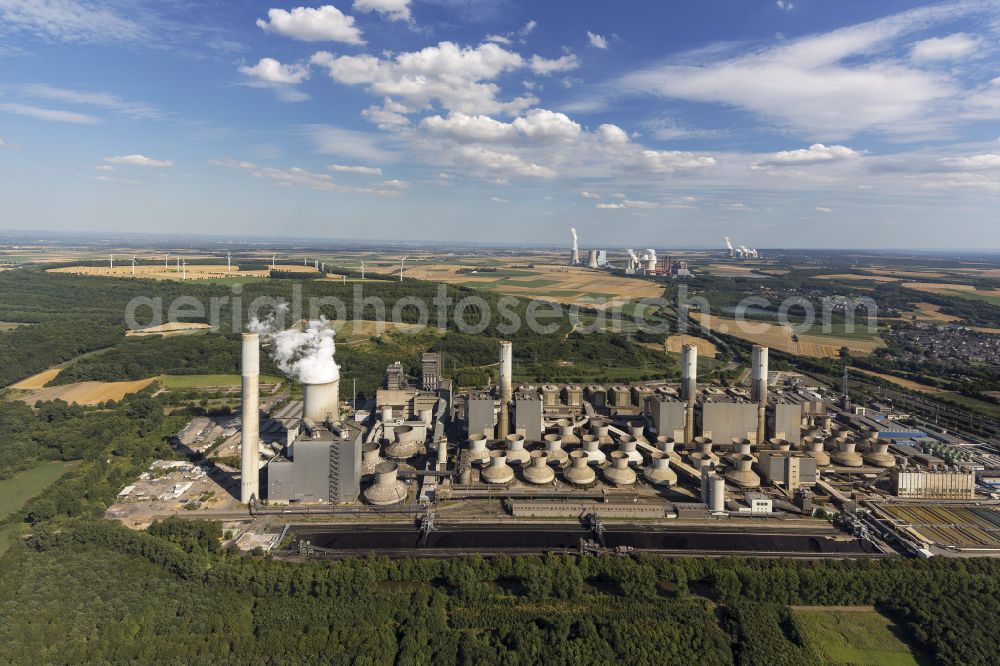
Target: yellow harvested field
779 337
37 381
853 276
705 348
762 333
159 272
561 284
170 328
899 381
946 289
88 393
932 312
917 275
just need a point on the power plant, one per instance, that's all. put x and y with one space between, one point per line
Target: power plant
740 251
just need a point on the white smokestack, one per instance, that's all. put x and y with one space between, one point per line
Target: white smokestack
689 372
250 437
758 386
575 256
506 365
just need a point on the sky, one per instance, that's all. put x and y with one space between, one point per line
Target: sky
659 123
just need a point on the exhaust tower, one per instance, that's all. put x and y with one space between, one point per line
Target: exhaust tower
249 438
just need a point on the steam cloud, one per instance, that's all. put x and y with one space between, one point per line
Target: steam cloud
305 355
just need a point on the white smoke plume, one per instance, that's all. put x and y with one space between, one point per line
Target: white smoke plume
304 354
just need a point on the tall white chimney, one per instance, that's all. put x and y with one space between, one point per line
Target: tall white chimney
575 256
506 371
689 372
250 437
758 387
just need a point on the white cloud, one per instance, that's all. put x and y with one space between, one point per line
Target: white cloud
629 203
535 125
297 176
741 207
396 184
528 28
499 200
394 10
612 134
104 167
307 24
503 164
70 21
951 47
589 195
103 100
270 70
597 41
814 154
53 115
499 39
366 170
139 160
544 67
669 161
389 116
823 209
459 78
973 162
363 146
838 83
785 5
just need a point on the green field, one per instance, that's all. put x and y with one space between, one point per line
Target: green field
198 381
859 637
21 487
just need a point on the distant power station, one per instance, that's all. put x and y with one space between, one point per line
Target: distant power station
595 258
740 251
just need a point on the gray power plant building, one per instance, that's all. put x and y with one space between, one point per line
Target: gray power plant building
666 414
528 416
480 414
724 416
323 465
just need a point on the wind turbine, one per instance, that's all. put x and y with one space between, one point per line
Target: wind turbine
316 264
305 261
229 262
165 257
184 267
322 267
401 268
133 265
178 263
112 259
362 269
274 261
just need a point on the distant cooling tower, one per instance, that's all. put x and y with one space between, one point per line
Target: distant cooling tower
592 259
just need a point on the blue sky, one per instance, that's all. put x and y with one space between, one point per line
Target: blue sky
660 123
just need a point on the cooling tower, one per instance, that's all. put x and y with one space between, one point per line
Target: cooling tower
619 473
591 446
580 474
321 402
539 472
878 455
741 475
498 472
659 472
846 455
250 437
387 489
516 452
407 443
477 448
592 259
554 450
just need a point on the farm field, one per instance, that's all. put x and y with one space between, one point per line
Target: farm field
9 325
170 328
561 284
86 393
961 290
932 312
779 337
705 348
37 381
899 381
859 636
212 381
855 276
193 271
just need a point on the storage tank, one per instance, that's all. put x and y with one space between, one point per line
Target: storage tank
387 489
498 472
579 473
716 494
658 472
538 471
619 473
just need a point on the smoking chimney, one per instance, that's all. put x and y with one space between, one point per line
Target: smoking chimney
249 454
575 255
506 365
321 402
